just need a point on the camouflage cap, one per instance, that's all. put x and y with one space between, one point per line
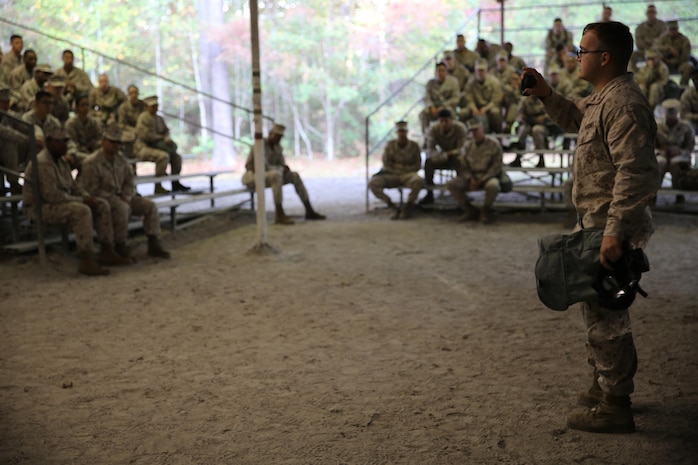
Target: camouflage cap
650 54
672 24
503 56
151 101
448 54
474 123
44 68
56 133
554 69
278 129
112 133
56 81
401 126
480 65
671 105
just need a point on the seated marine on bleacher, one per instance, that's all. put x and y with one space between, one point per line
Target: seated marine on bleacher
23 72
442 92
105 101
13 57
675 49
40 116
652 78
129 111
10 142
674 144
480 168
29 88
689 102
402 159
535 122
483 97
155 144
445 145
64 202
84 131
277 173
76 80
61 106
106 174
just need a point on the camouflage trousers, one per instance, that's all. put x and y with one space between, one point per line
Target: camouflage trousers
539 133
121 212
459 185
382 181
610 347
81 218
161 155
672 166
276 179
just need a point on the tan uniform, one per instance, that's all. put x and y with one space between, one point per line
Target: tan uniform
532 121
484 95
61 109
481 162
86 136
461 73
10 61
563 87
113 182
62 202
645 35
580 87
27 91
151 146
689 107
503 75
44 126
517 62
444 149
438 94
615 178
676 63
652 81
276 174
400 167
104 105
466 57
79 78
19 76
511 97
129 113
552 40
674 147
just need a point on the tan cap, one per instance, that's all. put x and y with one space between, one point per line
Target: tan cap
503 56
278 129
650 54
56 133
401 125
44 68
481 64
554 69
474 123
151 101
448 54
56 81
112 133
671 105
672 24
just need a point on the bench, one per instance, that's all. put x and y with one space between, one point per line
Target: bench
177 201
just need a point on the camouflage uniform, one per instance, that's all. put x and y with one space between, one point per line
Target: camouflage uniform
481 162
10 61
63 202
488 95
19 76
151 146
26 94
128 115
113 182
104 105
511 97
275 172
645 35
516 62
61 109
530 113
678 139
400 167
552 40
503 74
563 87
689 107
79 78
44 126
450 144
678 63
652 81
439 94
466 58
86 136
580 87
615 178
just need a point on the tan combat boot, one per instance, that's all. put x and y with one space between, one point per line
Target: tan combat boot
122 250
485 215
108 257
471 214
592 396
88 267
281 217
612 415
407 210
155 248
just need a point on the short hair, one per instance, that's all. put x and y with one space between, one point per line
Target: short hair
67 50
15 36
132 85
557 20
459 36
80 97
616 38
441 63
29 50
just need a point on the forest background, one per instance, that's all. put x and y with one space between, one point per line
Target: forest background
326 64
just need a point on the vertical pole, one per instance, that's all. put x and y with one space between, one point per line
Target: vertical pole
259 174
501 22
368 138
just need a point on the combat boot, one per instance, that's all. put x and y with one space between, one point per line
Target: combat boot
311 214
108 257
428 199
88 267
281 217
485 216
592 396
159 189
612 415
155 248
123 250
471 214
407 210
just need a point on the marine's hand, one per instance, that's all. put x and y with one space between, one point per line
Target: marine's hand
541 89
611 251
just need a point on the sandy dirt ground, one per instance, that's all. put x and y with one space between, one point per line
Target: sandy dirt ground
360 341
